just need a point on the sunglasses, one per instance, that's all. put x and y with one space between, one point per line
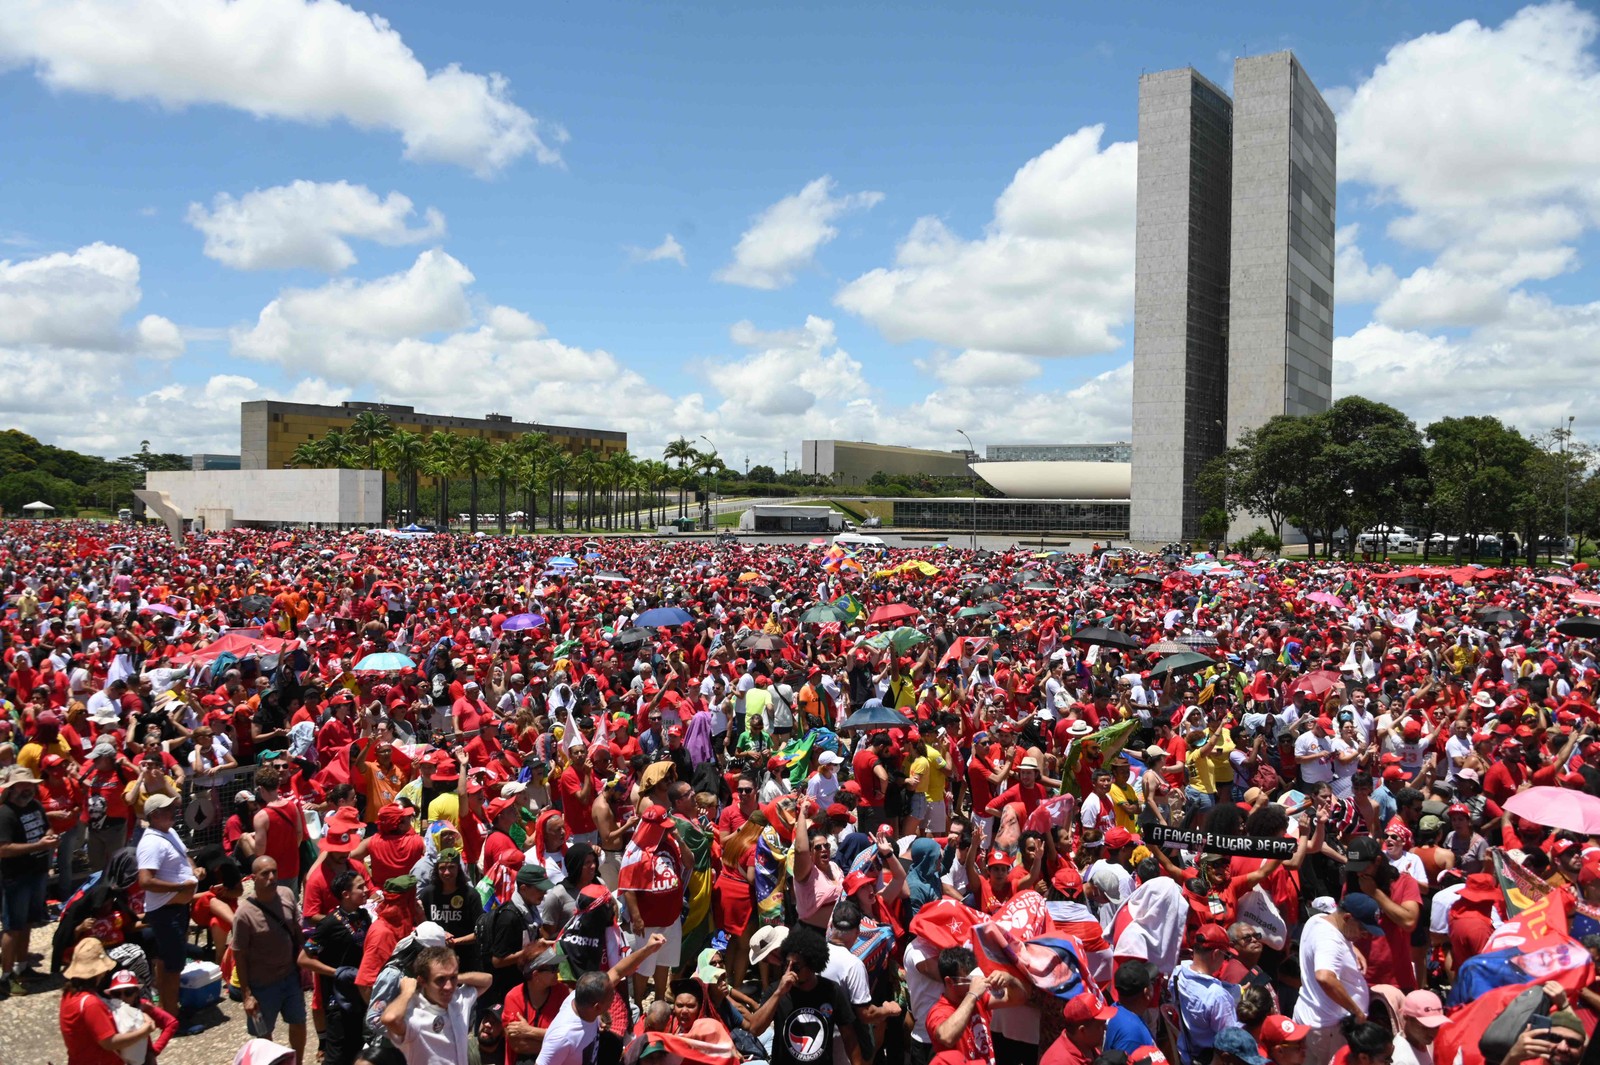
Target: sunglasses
747 791
1250 937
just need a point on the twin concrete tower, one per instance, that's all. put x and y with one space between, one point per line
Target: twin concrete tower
1233 276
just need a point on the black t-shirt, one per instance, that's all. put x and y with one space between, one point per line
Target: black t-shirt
506 929
808 1022
457 913
25 824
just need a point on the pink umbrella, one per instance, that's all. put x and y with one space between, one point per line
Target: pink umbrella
1565 808
1584 599
1560 582
1326 598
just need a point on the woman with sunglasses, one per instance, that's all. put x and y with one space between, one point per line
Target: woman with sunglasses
124 991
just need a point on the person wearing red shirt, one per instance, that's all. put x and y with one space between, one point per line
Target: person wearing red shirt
1399 899
469 711
575 789
735 814
485 746
1027 791
280 825
104 786
87 1026
867 767
1506 777
62 797
960 1019
1083 1032
531 1006
336 733
1471 917
995 885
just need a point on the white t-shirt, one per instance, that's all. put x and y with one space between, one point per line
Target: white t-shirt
1406 1054
438 1035
921 991
164 854
846 970
1097 816
1439 914
1323 946
569 1038
1311 743
823 789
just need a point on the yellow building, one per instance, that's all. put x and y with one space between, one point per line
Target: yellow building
269 431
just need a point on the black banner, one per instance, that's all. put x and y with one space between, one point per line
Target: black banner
1216 843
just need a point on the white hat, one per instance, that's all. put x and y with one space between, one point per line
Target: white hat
158 802
766 941
431 934
828 758
1080 728
1484 699
515 787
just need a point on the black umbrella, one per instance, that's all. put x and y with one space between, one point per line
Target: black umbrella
761 591
762 641
987 590
874 715
1106 638
1119 581
629 637
1147 578
1579 626
1407 582
254 604
1039 586
1198 639
1498 615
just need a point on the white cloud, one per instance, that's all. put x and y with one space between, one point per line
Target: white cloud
1358 282
311 61
303 225
1432 297
977 369
668 250
788 372
1052 275
785 237
78 300
1485 372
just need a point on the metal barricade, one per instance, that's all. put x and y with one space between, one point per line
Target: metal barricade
200 827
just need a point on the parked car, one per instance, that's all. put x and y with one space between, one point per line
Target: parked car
1396 541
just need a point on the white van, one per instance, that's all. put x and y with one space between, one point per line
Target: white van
849 539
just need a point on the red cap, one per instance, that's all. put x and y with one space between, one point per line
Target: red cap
1211 935
1117 836
1412 730
998 858
1394 772
1087 1007
856 881
851 786
1277 1030
840 812
1458 808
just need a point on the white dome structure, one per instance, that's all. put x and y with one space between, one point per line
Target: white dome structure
1058 480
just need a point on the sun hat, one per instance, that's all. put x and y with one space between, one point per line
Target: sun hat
89 960
765 942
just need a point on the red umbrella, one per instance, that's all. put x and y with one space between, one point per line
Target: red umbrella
1575 811
279 545
893 612
1316 685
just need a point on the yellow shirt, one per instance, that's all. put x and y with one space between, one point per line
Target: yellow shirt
930 766
1121 793
446 806
32 753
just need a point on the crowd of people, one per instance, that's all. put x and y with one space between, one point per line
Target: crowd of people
512 800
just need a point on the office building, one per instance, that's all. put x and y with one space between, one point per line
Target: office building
1121 451
853 462
213 462
1280 317
1233 275
269 431
1180 298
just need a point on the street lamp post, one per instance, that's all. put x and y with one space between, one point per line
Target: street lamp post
711 514
1566 488
973 453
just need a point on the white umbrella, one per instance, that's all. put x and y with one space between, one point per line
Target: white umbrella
38 504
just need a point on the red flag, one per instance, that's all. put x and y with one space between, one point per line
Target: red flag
707 1042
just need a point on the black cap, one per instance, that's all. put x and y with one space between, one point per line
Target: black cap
1363 851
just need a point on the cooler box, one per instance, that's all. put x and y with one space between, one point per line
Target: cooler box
200 985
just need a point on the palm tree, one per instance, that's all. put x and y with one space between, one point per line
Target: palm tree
365 432
621 467
440 460
706 464
534 449
525 478
402 451
475 455
503 461
307 456
683 451
586 470
557 471
337 452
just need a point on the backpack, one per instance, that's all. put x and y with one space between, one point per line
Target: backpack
484 931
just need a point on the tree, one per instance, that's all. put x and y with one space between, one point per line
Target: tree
474 457
307 455
367 430
503 460
682 452
708 464
19 489
441 461
558 471
762 475
402 451
622 467
586 472
1261 473
1475 463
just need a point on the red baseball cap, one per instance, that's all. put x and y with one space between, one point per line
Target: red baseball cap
1212 936
1087 1007
1277 1030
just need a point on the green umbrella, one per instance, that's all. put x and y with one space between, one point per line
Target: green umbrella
823 614
1181 662
901 640
974 612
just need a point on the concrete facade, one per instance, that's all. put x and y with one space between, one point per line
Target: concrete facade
853 462
1180 353
327 497
1280 321
1057 479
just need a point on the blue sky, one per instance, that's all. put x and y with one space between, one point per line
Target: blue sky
884 224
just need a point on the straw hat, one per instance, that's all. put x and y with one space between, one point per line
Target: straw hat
89 960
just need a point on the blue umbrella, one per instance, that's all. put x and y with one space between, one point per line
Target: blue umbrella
874 715
592 556
384 662
517 622
663 617
561 562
